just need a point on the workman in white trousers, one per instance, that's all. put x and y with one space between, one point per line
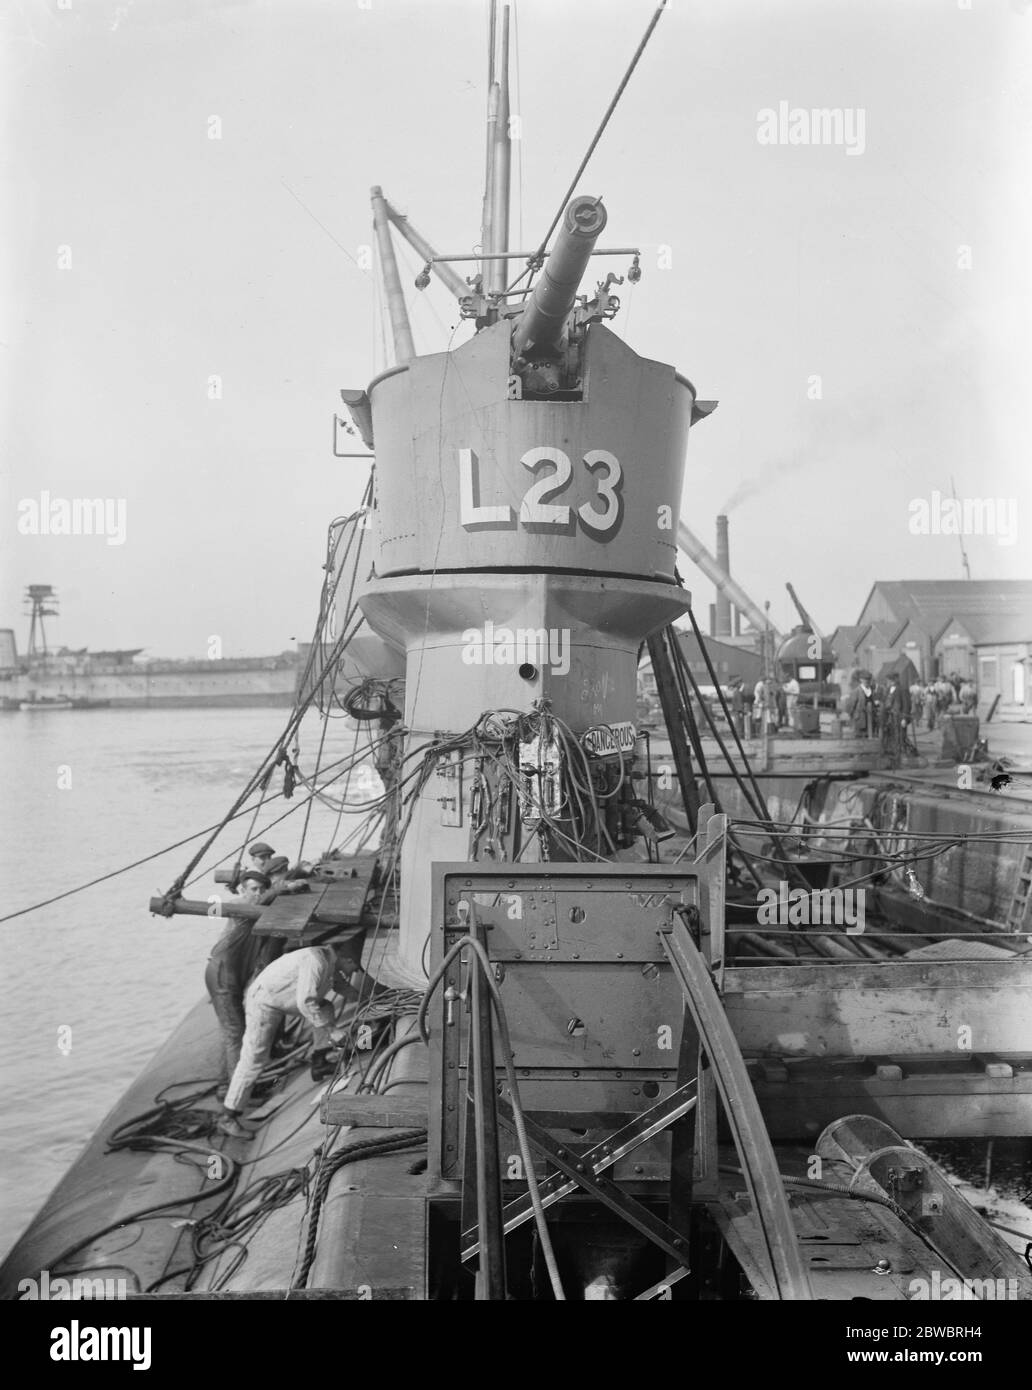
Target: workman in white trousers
299 984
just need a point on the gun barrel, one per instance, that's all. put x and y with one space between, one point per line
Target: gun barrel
540 329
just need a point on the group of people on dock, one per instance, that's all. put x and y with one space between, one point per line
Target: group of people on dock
887 708
939 697
875 708
770 705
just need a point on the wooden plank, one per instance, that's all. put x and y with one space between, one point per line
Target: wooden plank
342 903
288 915
919 1107
899 1009
304 917
376 1112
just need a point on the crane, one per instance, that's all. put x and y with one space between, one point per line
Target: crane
807 621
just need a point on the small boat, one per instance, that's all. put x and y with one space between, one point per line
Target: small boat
47 702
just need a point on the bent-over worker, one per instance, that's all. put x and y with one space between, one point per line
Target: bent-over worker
298 985
235 958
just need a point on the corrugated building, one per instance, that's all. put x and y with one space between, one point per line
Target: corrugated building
912 617
978 630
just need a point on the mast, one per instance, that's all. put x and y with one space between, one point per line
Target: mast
501 169
486 236
404 347
494 235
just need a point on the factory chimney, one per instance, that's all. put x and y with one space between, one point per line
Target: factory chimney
723 626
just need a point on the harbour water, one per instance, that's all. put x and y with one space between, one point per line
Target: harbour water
94 984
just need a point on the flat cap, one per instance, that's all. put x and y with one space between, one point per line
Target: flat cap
254 876
260 847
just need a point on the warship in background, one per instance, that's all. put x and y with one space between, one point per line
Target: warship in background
580 1064
44 679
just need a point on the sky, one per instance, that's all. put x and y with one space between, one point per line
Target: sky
862 318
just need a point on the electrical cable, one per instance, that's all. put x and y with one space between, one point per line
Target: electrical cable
510 1072
159 1208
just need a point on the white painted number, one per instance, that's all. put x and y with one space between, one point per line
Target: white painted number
608 489
537 511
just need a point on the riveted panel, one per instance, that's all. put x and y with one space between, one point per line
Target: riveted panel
593 1009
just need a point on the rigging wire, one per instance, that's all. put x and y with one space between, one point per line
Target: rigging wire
277 753
326 715
167 849
538 255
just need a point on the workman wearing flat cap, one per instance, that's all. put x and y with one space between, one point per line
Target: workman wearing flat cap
236 957
298 985
280 880
260 854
